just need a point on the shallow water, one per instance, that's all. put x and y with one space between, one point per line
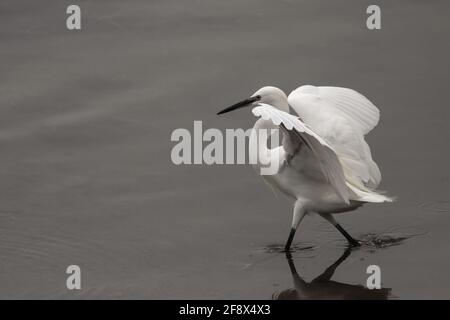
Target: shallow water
85 170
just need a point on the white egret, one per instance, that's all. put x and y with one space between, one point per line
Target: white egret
325 164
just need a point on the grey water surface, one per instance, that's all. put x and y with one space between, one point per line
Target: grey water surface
86 176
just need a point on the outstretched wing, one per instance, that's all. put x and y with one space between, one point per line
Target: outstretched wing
341 117
297 135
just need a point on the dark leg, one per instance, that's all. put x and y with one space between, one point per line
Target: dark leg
289 241
349 238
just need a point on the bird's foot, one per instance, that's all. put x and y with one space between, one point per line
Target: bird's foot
287 249
354 243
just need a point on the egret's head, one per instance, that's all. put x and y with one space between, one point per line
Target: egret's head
269 95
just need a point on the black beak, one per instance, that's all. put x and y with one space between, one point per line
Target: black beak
243 103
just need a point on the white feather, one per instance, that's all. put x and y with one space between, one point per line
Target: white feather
324 153
341 117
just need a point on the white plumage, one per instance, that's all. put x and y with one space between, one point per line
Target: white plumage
324 154
342 117
324 161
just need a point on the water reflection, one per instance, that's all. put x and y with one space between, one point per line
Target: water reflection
322 287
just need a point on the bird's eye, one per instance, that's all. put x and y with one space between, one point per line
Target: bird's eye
258 97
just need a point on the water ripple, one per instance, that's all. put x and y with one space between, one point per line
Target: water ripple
389 238
439 206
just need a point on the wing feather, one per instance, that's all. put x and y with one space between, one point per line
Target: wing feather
342 117
295 129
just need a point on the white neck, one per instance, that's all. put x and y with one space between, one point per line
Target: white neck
259 152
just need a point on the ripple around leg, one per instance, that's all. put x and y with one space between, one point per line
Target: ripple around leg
295 247
389 238
272 251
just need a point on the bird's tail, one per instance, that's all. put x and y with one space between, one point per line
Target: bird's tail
368 195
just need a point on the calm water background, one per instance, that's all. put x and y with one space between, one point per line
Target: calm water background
85 124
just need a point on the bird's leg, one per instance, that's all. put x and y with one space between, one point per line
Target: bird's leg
287 247
299 213
350 239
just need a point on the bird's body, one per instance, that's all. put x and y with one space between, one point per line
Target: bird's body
305 183
324 164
